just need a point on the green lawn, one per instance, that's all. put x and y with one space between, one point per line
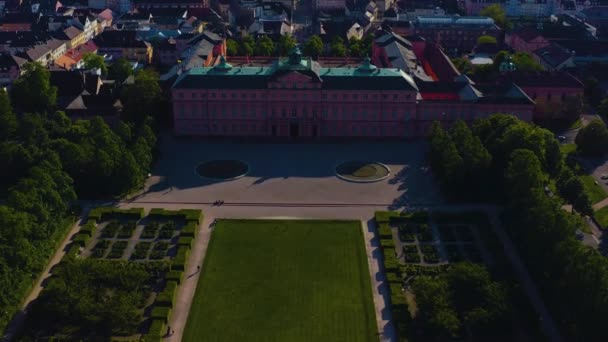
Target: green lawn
567 148
595 192
602 216
271 280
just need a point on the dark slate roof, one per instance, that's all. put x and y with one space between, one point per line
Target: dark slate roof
545 79
120 39
584 47
553 54
7 61
527 33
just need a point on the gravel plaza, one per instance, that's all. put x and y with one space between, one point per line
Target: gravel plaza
296 173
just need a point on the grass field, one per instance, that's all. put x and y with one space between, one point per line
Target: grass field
271 280
595 192
602 216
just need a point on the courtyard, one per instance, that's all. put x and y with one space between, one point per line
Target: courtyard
291 174
282 280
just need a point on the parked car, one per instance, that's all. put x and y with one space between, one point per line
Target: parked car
604 176
561 138
579 235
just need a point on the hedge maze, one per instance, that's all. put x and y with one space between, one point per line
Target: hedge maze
162 239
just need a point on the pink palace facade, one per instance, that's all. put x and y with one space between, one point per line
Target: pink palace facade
297 97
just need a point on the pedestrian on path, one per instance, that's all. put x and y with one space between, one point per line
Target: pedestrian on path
198 268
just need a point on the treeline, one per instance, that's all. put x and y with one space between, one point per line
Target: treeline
523 159
462 299
313 47
47 160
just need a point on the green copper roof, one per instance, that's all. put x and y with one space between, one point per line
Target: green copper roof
367 76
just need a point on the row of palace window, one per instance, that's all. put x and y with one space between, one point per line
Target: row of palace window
245 112
301 96
248 128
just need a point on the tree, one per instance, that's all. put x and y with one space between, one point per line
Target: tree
8 119
95 61
246 46
120 70
434 307
523 173
592 140
285 44
496 12
486 40
142 98
463 65
232 47
355 47
264 47
525 62
33 92
313 46
337 48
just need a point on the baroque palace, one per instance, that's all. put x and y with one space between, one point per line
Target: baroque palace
298 97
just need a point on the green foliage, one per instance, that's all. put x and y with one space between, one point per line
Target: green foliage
525 62
32 91
180 260
120 70
81 239
592 140
337 48
313 47
496 12
89 228
176 276
142 99
190 215
161 312
8 120
189 230
285 44
156 330
103 213
94 61
90 298
167 296
524 173
486 40
185 241
264 46
232 47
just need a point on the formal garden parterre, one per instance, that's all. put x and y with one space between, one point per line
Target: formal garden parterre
119 277
284 280
446 278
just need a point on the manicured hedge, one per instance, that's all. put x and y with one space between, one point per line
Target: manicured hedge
384 229
393 277
167 296
387 244
89 228
393 216
176 276
190 215
81 239
100 213
179 262
390 260
162 313
185 241
72 251
190 229
157 329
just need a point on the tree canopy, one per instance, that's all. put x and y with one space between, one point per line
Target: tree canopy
120 70
592 140
33 92
496 12
313 47
95 61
